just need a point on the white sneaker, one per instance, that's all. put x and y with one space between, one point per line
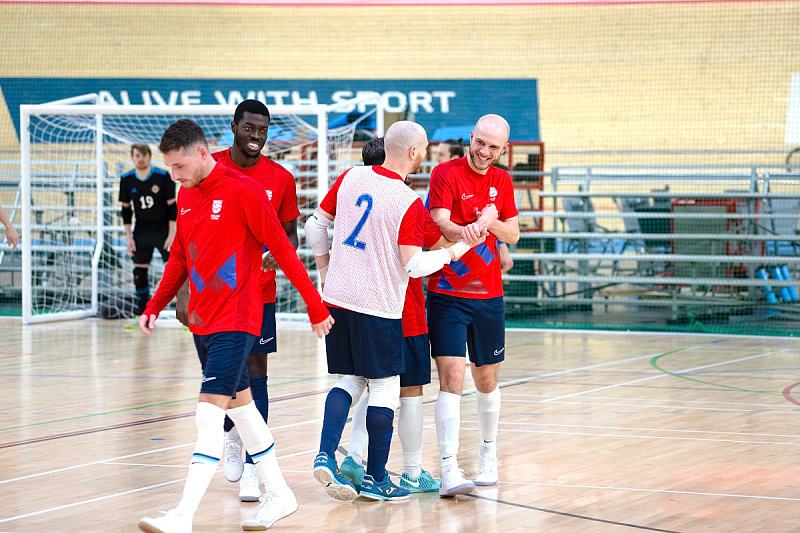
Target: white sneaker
249 489
272 509
487 470
171 522
453 482
233 464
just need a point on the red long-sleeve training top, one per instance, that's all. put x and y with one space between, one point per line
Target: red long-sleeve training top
223 224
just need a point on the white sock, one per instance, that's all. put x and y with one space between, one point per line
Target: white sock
489 418
257 439
448 422
233 434
409 426
205 460
359 438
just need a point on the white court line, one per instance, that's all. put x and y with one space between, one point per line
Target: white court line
632 489
150 464
158 450
94 463
661 375
649 437
93 500
561 372
640 399
132 491
583 426
75 504
638 405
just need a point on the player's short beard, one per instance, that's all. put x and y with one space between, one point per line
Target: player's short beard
417 165
197 176
475 162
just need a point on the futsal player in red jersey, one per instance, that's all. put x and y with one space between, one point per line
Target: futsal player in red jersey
465 298
223 221
417 355
377 246
250 127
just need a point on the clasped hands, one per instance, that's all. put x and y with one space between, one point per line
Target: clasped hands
476 232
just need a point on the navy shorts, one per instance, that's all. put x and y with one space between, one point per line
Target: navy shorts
223 356
364 345
266 343
145 242
480 324
417 355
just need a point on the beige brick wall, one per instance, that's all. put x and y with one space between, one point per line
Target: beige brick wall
638 77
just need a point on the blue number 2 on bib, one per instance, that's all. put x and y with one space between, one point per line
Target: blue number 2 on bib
352 240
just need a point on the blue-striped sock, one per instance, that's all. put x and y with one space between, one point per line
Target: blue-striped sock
205 459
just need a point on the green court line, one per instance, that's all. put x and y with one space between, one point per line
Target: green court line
194 399
525 344
654 364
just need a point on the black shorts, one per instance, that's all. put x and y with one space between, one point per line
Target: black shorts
417 355
477 323
145 242
222 356
266 343
364 345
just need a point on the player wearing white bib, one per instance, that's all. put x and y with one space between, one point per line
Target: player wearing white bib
377 245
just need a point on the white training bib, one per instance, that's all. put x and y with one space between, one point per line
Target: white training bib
366 273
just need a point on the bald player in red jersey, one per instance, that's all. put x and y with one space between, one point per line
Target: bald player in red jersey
417 355
465 298
223 221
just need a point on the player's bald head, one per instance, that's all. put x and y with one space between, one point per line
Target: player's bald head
494 125
402 136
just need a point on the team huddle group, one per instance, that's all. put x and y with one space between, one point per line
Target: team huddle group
235 222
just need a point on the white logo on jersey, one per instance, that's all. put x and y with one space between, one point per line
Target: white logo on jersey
492 193
184 211
269 194
216 207
466 196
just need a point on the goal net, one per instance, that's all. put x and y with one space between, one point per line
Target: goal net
75 263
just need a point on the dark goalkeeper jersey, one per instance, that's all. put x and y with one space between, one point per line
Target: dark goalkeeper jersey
148 198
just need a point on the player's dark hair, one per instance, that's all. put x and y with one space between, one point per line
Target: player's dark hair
183 133
373 152
251 106
142 149
455 146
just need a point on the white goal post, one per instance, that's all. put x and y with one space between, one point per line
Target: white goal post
73 153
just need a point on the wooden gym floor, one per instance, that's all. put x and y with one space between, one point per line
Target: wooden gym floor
599 432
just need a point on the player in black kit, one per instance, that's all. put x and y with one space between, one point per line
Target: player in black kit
149 192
